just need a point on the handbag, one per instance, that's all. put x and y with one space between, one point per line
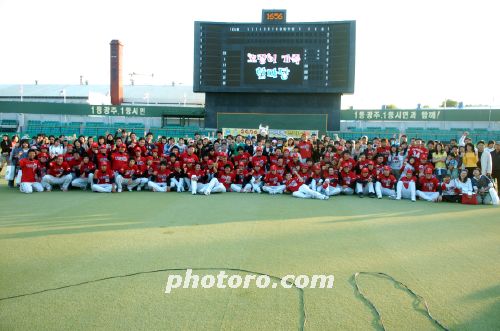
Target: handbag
469 199
10 172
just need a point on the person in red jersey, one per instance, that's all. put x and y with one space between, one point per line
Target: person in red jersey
241 156
59 174
222 161
223 181
161 181
119 159
409 165
330 185
82 172
130 177
273 182
316 178
371 168
296 186
189 154
406 186
199 179
102 156
103 180
69 155
364 184
385 184
43 168
423 165
384 149
428 186
257 174
305 174
347 178
74 163
29 167
379 165
177 177
140 161
258 158
294 162
242 179
305 148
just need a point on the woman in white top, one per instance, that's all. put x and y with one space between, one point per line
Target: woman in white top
463 182
56 149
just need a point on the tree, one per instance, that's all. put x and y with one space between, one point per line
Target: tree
449 103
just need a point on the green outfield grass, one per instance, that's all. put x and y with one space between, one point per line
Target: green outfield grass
448 253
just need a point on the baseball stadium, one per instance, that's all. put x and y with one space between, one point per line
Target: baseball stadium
251 199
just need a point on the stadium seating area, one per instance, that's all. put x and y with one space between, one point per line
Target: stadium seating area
57 128
95 129
425 134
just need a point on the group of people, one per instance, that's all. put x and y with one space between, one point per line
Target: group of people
307 167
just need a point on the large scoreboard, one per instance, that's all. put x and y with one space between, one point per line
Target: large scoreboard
274 56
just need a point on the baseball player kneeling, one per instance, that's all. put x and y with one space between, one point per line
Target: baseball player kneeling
103 180
59 174
428 186
29 167
273 182
385 184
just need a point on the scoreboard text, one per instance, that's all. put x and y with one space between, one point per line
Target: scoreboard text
289 57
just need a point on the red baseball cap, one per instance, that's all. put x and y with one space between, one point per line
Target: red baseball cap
316 167
241 164
304 165
346 164
370 162
210 162
365 170
387 168
177 164
43 155
138 149
94 145
44 146
69 145
258 149
122 146
428 171
409 171
273 167
222 154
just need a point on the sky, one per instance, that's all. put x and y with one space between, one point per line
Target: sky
407 52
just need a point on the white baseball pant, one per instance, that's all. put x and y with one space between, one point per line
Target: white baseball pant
63 181
80 182
30 187
178 184
405 193
305 192
279 189
157 187
214 186
238 187
129 182
368 188
102 188
382 191
347 190
428 196
329 190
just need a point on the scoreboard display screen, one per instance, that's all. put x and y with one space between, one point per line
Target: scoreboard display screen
264 57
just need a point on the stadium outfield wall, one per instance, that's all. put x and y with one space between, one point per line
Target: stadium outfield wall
152 116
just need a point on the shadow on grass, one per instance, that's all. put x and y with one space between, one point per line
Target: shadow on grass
59 213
